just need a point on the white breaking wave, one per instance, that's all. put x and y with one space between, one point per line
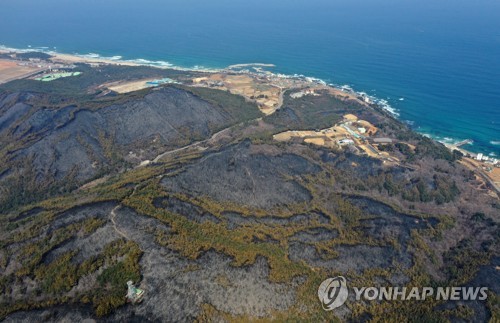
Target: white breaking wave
30 49
97 56
147 62
383 103
91 55
443 140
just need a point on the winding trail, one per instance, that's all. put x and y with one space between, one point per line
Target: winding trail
112 217
470 164
198 143
194 144
115 226
215 135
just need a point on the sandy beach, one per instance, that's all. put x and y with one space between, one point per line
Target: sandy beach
71 59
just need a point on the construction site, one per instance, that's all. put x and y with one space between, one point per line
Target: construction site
268 97
352 133
11 70
136 85
13 66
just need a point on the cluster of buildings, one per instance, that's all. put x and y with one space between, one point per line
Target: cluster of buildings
352 134
487 159
205 81
39 63
297 95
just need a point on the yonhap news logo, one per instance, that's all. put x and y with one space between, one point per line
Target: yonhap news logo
333 293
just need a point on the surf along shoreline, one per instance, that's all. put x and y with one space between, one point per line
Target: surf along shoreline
243 68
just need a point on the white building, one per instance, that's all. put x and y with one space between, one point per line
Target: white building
382 140
479 156
346 142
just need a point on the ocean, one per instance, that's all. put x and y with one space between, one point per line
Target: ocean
435 63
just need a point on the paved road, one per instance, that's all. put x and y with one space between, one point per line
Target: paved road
481 173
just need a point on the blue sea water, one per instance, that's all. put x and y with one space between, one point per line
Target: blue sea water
436 62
